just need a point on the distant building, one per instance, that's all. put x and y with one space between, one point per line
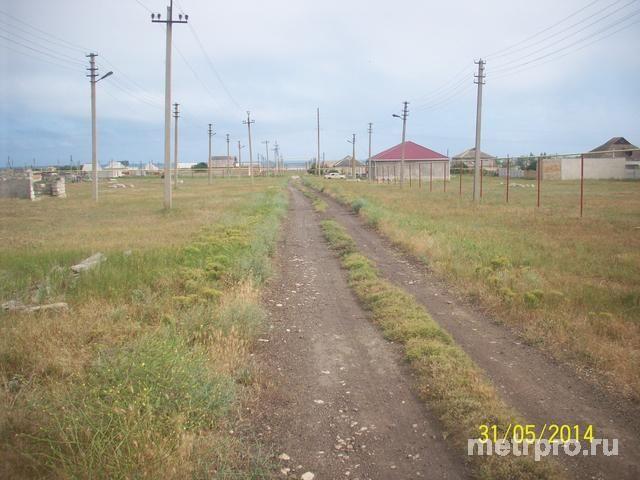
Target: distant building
223 161
467 160
345 166
618 147
87 167
115 169
418 161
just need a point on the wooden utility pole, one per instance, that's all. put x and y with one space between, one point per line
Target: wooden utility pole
175 144
353 156
477 172
248 123
240 147
278 162
266 147
156 18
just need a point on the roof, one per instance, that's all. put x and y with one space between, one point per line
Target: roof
346 162
87 167
113 164
616 143
412 152
150 166
470 154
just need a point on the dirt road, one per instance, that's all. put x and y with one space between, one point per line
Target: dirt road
538 387
340 404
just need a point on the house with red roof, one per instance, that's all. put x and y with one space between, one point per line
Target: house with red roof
419 161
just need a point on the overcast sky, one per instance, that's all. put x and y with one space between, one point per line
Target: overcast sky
568 83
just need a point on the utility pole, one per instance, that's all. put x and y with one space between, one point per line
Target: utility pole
248 123
266 146
156 18
403 116
476 167
209 172
276 153
240 147
369 161
353 156
175 143
318 119
93 78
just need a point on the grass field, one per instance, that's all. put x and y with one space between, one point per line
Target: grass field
568 284
142 376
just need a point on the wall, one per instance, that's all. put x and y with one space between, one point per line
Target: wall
18 186
390 171
594 168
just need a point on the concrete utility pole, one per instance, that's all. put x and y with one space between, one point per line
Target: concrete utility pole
476 167
276 154
370 172
156 18
176 114
209 172
318 119
248 123
403 116
240 147
93 78
266 147
353 156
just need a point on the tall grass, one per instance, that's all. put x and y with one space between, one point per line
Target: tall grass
568 284
141 378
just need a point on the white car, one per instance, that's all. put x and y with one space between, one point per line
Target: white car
334 175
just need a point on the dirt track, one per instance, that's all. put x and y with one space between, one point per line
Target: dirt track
340 404
538 387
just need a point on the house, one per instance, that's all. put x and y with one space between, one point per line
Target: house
223 161
345 166
418 161
150 167
115 169
614 159
88 168
467 160
620 147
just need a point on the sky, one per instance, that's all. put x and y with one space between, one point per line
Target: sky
561 77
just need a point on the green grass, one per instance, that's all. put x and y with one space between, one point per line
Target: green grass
448 380
144 374
569 285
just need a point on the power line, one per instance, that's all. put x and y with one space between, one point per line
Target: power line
543 30
608 27
540 50
526 47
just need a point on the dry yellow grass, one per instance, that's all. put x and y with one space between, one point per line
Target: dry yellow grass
571 285
142 373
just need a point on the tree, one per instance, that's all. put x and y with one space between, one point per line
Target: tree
200 165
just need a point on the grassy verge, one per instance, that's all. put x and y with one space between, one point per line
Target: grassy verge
447 379
143 376
547 272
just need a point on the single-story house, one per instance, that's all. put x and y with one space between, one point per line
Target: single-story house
418 161
87 168
223 161
344 166
611 160
467 159
115 169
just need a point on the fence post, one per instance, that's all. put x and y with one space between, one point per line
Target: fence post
581 184
538 178
430 176
460 173
444 176
508 173
419 175
481 172
410 169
